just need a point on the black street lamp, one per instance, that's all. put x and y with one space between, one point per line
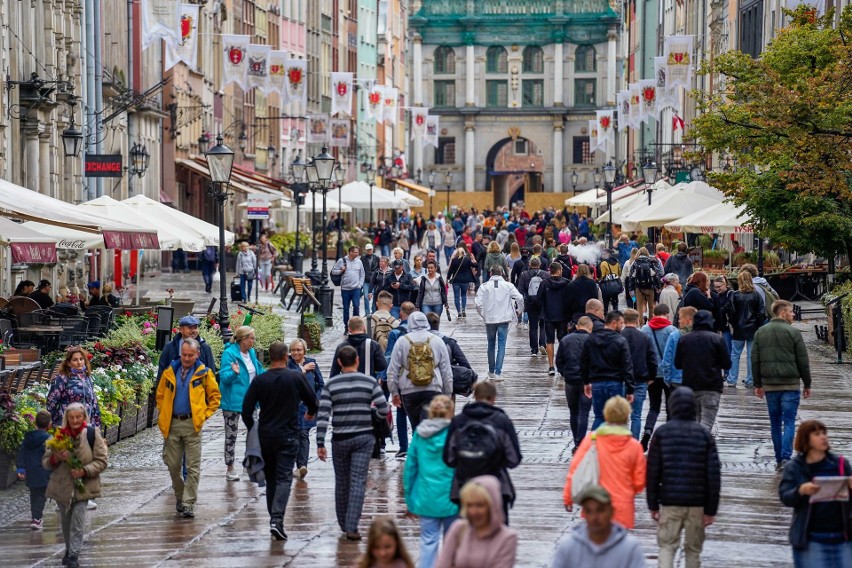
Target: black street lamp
609 180
371 179
313 185
649 172
339 178
574 179
324 163
220 160
448 180
298 167
432 176
72 137
139 159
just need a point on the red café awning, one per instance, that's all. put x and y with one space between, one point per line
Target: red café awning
131 241
33 253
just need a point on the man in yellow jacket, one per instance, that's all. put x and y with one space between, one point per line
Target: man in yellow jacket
187 396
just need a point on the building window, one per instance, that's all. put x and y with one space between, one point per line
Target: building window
496 60
445 153
751 29
584 92
445 60
521 147
445 94
497 93
533 92
582 153
533 59
584 59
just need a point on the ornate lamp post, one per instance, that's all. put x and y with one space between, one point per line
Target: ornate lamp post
313 185
339 178
609 180
432 176
324 164
371 179
298 167
574 179
649 172
448 181
220 160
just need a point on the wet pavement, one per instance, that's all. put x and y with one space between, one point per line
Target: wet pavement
136 525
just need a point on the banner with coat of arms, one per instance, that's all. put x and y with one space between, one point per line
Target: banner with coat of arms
297 85
390 104
235 62
277 74
341 93
635 120
663 92
606 128
340 132
431 135
159 21
318 129
186 48
418 122
622 105
258 66
593 136
678 53
648 101
374 102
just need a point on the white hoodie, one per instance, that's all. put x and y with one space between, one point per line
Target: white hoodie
498 301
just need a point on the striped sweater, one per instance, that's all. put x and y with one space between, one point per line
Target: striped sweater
346 399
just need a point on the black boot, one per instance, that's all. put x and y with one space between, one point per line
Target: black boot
65 558
72 562
646 438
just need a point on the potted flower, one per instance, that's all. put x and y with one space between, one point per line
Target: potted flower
713 259
13 426
310 329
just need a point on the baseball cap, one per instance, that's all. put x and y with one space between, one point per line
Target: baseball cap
596 493
94 284
188 320
397 262
368 246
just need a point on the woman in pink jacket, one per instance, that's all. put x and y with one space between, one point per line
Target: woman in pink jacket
480 539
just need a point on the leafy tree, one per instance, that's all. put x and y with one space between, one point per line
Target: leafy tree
786 118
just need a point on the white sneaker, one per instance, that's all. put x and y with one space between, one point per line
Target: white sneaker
232 475
497 378
491 376
91 505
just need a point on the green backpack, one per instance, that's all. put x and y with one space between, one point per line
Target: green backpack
421 363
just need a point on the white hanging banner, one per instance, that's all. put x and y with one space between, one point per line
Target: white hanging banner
318 129
159 21
664 95
431 136
648 102
390 104
418 122
257 73
186 48
277 74
593 135
606 129
678 53
635 105
622 103
297 85
373 102
340 132
341 93
235 62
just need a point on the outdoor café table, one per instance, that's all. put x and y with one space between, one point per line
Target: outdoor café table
44 336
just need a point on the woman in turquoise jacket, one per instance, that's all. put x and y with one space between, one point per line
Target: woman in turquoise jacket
239 367
428 480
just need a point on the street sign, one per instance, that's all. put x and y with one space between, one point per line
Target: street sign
103 165
258 207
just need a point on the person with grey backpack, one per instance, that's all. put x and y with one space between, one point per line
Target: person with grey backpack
529 283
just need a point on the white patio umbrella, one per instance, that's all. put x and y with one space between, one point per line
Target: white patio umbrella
673 204
628 192
410 200
357 194
331 204
67 238
208 232
586 199
724 217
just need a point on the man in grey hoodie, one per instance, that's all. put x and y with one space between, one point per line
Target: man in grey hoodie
405 393
599 543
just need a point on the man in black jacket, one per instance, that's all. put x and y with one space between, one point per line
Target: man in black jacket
680 263
399 284
187 329
568 362
531 305
554 300
704 358
684 476
278 392
606 367
520 266
370 262
359 339
595 312
644 360
483 410
457 356
721 299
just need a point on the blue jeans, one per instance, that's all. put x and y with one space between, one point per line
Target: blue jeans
448 252
385 250
498 332
365 292
304 448
782 406
736 351
460 296
433 309
601 392
353 297
431 529
818 555
402 429
640 391
394 311
246 281
729 339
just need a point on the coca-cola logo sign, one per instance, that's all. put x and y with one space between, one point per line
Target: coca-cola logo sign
71 244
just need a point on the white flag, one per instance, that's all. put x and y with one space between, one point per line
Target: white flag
593 135
431 136
622 104
648 101
235 62
606 129
678 53
373 102
664 94
257 74
418 122
159 21
318 129
186 48
340 130
635 105
390 104
297 85
277 75
341 93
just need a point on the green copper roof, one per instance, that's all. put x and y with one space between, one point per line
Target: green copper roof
489 22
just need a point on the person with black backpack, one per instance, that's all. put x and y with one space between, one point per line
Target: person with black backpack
464 376
529 283
646 276
482 441
610 281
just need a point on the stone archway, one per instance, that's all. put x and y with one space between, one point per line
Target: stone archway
513 168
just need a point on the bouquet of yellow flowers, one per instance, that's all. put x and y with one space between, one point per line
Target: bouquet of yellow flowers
62 441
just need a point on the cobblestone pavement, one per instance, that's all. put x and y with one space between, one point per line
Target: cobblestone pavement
135 524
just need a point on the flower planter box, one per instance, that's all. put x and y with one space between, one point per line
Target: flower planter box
142 417
111 434
713 263
153 413
8 475
304 333
127 427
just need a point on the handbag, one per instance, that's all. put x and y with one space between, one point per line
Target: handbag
381 424
587 474
336 279
611 285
